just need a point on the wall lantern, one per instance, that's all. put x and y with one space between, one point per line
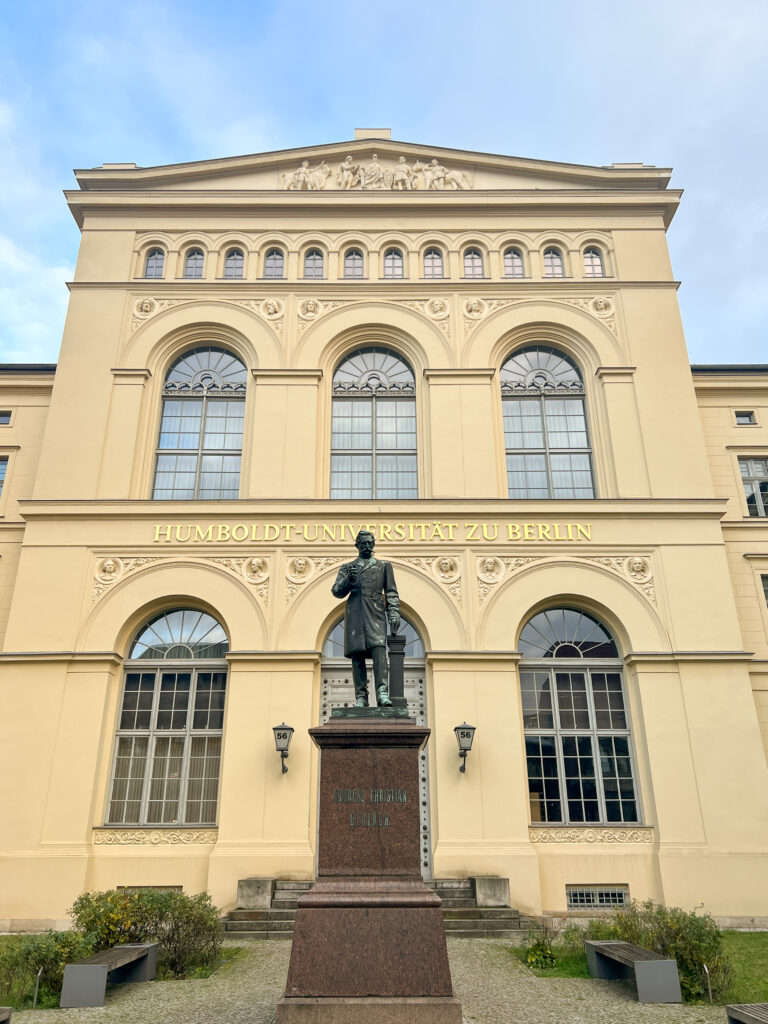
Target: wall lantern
283 734
464 736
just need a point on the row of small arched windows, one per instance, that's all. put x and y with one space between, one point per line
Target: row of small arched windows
393 265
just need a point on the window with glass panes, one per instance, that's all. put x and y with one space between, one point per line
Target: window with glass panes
545 426
393 263
553 263
373 433
473 263
578 743
199 449
154 265
274 261
513 263
433 263
169 732
193 263
353 263
593 262
313 263
754 476
234 263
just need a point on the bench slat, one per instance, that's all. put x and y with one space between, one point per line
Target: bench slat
116 957
748 1012
627 952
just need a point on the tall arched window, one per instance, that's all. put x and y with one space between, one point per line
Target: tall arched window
234 262
513 262
473 263
393 263
545 426
313 263
154 263
433 263
274 262
353 263
193 263
168 747
553 262
593 262
577 738
373 439
201 433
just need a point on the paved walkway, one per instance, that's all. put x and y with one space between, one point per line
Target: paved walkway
494 989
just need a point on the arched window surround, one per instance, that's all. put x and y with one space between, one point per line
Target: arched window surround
553 261
314 259
194 263
353 263
394 262
274 263
234 262
154 260
433 263
473 263
593 261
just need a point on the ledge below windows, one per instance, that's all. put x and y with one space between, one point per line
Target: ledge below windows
153 836
593 835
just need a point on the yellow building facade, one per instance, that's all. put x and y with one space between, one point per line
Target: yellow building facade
481 359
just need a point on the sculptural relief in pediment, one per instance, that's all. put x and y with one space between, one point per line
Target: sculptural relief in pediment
396 175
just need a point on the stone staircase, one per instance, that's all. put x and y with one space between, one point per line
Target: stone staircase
463 918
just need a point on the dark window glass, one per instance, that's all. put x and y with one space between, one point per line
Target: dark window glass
313 263
5 416
745 419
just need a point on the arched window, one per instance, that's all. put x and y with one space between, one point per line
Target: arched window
593 262
577 738
233 263
353 263
545 426
168 748
313 263
553 263
154 263
193 263
274 262
473 263
373 438
393 263
513 262
334 642
433 263
201 433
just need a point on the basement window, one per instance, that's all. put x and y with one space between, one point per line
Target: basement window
745 418
596 897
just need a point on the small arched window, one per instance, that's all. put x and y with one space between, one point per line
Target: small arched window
193 263
393 263
593 262
373 432
234 262
168 747
553 262
313 263
513 262
353 264
545 426
274 263
153 266
433 263
577 738
473 263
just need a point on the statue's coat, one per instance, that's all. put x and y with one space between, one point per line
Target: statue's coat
365 618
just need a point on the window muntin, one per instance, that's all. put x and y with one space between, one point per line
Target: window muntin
234 262
393 263
577 736
194 263
274 263
553 263
199 449
754 477
513 262
373 431
353 264
433 263
593 262
473 263
313 263
168 745
153 266
546 439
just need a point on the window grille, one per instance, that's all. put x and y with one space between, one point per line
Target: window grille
596 897
393 263
553 263
274 263
234 262
193 264
745 418
154 264
754 476
513 263
593 262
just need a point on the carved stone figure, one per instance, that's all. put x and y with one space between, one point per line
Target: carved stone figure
309 309
349 174
146 306
638 569
447 569
272 307
372 602
319 176
437 307
374 176
108 570
299 181
402 176
256 569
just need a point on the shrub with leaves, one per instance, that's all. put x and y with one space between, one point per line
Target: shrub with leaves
48 953
539 946
690 938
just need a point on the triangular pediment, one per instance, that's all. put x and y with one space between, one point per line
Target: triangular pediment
372 165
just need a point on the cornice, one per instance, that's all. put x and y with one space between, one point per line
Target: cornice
124 375
490 659
616 373
363 290
80 657
277 659
656 658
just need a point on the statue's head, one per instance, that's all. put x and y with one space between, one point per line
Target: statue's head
364 542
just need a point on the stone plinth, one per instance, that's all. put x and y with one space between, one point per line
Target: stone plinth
369 942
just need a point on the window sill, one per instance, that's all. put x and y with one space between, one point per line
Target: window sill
155 835
591 834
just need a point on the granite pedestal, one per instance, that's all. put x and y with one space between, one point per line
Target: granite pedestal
369 941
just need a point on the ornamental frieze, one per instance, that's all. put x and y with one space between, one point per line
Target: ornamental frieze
154 837
476 309
301 569
492 570
110 569
611 836
255 571
375 176
636 569
445 569
271 310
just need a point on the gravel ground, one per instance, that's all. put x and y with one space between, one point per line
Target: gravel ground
493 987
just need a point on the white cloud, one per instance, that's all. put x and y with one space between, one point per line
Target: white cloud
33 303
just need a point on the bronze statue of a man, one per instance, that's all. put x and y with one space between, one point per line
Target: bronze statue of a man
368 582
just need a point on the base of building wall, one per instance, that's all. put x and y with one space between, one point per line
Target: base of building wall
17 925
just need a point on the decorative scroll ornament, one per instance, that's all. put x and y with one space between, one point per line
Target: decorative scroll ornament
146 307
154 837
110 569
301 569
620 836
312 309
635 568
445 569
436 309
375 176
254 571
600 306
492 570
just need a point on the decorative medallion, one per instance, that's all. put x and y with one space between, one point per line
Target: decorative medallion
312 309
271 309
636 569
301 569
436 309
445 569
254 571
491 570
109 569
600 306
146 307
154 837
621 836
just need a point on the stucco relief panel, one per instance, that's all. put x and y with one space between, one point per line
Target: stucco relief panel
601 307
154 837
111 568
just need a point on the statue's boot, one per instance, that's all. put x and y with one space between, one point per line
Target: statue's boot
361 702
382 698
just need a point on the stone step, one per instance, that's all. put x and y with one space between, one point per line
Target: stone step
261 915
242 936
449 901
481 913
288 903
500 933
288 884
258 926
451 883
482 925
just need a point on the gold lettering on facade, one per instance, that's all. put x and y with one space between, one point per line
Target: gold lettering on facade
158 531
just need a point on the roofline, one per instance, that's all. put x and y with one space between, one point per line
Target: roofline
28 368
729 368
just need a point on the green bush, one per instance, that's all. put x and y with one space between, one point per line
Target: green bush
691 939
20 962
186 927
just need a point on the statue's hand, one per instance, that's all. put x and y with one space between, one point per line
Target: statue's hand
352 577
394 623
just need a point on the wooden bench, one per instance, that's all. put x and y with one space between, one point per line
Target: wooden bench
747 1013
85 981
656 977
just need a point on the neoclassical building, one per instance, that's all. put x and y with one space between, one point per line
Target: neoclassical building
481 359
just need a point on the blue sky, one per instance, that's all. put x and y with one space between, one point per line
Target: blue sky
676 83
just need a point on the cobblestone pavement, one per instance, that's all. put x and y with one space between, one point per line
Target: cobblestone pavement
493 987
